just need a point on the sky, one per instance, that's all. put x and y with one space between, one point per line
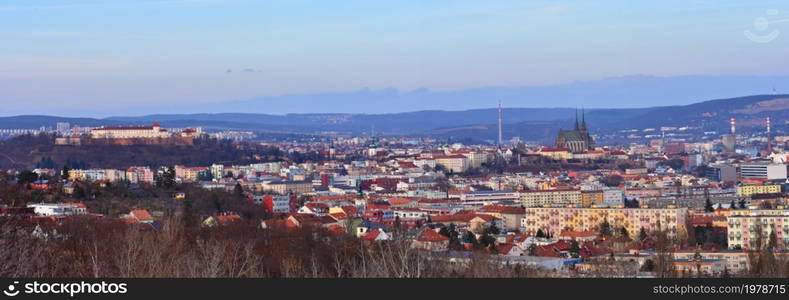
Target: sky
101 58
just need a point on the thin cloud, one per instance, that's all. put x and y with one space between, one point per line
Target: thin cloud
104 4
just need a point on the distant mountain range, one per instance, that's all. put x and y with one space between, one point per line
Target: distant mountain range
396 123
636 91
615 92
480 124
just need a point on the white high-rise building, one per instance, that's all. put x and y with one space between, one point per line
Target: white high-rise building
763 171
63 127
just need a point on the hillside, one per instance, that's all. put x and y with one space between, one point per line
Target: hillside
396 123
478 124
28 151
750 111
35 122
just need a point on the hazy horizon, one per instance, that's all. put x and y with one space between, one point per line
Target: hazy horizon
648 91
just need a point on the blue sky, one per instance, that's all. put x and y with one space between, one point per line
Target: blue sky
98 57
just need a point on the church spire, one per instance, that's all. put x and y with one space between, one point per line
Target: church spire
576 120
583 120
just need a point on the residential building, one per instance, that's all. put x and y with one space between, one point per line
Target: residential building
559 219
453 163
58 209
510 216
480 198
753 231
538 198
288 187
752 189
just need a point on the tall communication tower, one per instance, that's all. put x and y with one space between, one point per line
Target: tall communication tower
501 117
769 136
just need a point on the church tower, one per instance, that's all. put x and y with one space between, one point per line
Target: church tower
578 139
576 120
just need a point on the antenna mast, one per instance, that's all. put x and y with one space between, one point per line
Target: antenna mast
501 137
769 137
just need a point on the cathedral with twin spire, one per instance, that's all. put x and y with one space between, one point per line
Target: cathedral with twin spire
578 139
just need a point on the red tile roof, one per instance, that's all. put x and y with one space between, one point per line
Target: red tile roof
578 234
77 204
228 218
429 235
455 156
350 211
399 201
141 215
463 218
407 165
503 209
372 235
505 249
339 216
336 230
317 205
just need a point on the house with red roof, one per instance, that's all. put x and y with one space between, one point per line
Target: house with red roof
510 250
619 154
401 202
301 220
376 235
349 211
42 185
336 230
139 216
560 248
431 240
315 208
469 221
221 220
276 223
339 216
510 215
407 166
